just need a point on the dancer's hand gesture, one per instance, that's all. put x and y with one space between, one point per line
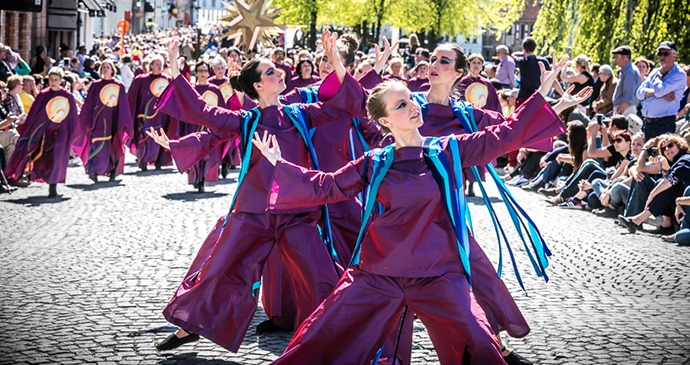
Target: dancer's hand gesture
567 100
159 137
548 77
173 55
382 57
268 145
331 51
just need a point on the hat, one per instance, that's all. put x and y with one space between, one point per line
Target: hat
64 47
666 45
622 50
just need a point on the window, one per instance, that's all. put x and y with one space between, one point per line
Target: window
525 30
517 31
213 3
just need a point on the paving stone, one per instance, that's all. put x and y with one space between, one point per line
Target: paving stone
88 275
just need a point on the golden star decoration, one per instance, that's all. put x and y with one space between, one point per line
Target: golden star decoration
251 21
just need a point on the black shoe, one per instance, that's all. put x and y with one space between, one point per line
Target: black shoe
158 167
548 192
93 177
470 189
112 174
268 326
664 231
628 223
514 358
200 188
52 191
224 171
606 212
533 186
6 189
142 166
173 342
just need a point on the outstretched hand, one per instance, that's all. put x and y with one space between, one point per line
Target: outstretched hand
268 145
173 55
382 57
159 137
548 77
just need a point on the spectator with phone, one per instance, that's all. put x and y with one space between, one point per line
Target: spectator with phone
675 164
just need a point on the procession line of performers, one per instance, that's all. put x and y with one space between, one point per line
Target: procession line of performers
409 246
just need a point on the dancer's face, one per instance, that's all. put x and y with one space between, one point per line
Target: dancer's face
272 82
404 113
442 66
422 72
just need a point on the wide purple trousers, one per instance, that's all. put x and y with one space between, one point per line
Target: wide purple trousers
218 297
352 323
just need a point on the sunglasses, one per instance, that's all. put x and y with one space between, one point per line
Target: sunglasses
619 140
202 70
664 148
665 54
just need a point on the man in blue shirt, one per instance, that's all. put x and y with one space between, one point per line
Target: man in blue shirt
624 99
506 69
661 93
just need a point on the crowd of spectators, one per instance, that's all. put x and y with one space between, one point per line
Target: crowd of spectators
625 154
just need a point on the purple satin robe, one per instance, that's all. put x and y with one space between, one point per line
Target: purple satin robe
142 97
206 168
218 301
409 255
415 84
108 123
46 138
478 91
298 81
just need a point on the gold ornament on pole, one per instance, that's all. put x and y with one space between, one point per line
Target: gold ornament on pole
251 22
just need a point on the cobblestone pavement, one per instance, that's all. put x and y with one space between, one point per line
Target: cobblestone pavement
87 276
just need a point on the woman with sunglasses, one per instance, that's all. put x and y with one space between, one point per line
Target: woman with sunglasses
622 141
675 164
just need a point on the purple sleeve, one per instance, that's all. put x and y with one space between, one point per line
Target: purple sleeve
512 133
180 100
296 187
192 148
370 79
337 102
291 97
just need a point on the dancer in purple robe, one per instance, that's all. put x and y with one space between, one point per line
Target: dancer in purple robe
142 97
206 170
404 259
476 89
421 80
47 135
219 300
108 123
231 157
305 75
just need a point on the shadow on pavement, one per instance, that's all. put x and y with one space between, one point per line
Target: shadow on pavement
164 329
191 196
190 358
96 186
221 181
152 172
36 201
480 200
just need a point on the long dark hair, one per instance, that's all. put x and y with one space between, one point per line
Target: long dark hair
577 140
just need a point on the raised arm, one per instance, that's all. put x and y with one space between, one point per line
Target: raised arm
180 100
296 187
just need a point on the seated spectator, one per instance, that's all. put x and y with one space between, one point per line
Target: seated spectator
604 103
682 237
612 158
8 132
89 69
562 161
675 162
592 188
614 199
39 64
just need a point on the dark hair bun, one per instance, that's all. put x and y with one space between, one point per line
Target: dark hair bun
350 40
235 82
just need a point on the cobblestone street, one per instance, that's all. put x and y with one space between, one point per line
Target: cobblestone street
88 275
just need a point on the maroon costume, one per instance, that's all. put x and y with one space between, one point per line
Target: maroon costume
142 97
415 84
409 254
298 81
478 91
108 123
46 137
206 170
232 154
218 301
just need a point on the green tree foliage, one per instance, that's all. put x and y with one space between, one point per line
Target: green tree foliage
595 27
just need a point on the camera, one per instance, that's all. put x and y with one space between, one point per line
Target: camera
653 152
